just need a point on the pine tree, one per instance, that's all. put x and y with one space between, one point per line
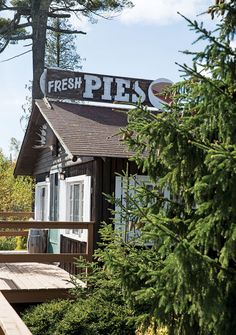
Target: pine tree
186 279
60 52
61 48
28 20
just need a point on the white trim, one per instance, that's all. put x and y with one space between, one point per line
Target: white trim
86 204
38 187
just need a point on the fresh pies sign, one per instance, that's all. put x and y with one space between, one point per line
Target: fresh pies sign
60 84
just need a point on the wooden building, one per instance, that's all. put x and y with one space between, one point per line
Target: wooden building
75 152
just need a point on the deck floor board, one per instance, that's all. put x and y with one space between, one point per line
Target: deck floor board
19 280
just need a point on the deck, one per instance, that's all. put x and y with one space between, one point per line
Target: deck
33 277
33 282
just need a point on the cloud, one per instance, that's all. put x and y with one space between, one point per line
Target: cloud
162 12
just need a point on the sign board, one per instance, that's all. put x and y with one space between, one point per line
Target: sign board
61 84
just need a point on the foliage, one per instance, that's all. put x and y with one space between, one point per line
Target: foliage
7 243
98 309
186 278
44 318
16 195
21 243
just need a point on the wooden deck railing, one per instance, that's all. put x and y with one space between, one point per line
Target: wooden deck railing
20 228
10 323
9 216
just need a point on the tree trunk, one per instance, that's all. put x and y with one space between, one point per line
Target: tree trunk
40 9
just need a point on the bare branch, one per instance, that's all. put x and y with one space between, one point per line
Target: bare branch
66 9
5 45
64 31
21 37
9 8
27 45
59 16
24 25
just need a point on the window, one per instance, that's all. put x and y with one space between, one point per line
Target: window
125 188
78 204
41 202
76 212
54 197
124 191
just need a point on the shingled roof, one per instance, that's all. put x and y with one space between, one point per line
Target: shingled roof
83 130
86 130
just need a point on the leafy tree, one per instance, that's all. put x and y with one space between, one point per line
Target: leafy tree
15 147
30 22
16 194
186 278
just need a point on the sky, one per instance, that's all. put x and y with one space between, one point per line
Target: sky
143 42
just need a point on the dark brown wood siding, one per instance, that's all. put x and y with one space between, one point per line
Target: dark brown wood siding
103 172
69 245
48 158
80 169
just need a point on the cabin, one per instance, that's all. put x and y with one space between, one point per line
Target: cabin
74 150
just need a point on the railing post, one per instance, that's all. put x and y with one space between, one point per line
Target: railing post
90 241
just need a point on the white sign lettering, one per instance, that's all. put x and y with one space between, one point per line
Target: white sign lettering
103 88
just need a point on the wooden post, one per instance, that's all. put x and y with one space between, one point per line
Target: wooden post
97 201
90 242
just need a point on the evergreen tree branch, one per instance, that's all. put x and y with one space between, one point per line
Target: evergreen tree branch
208 35
178 238
191 71
14 25
21 11
149 219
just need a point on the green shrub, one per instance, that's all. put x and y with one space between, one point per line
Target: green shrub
84 316
98 309
95 317
43 319
7 243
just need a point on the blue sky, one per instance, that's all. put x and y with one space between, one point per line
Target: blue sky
143 42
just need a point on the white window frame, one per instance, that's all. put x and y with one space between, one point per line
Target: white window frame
38 189
86 180
120 185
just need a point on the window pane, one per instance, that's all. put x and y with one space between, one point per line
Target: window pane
76 204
